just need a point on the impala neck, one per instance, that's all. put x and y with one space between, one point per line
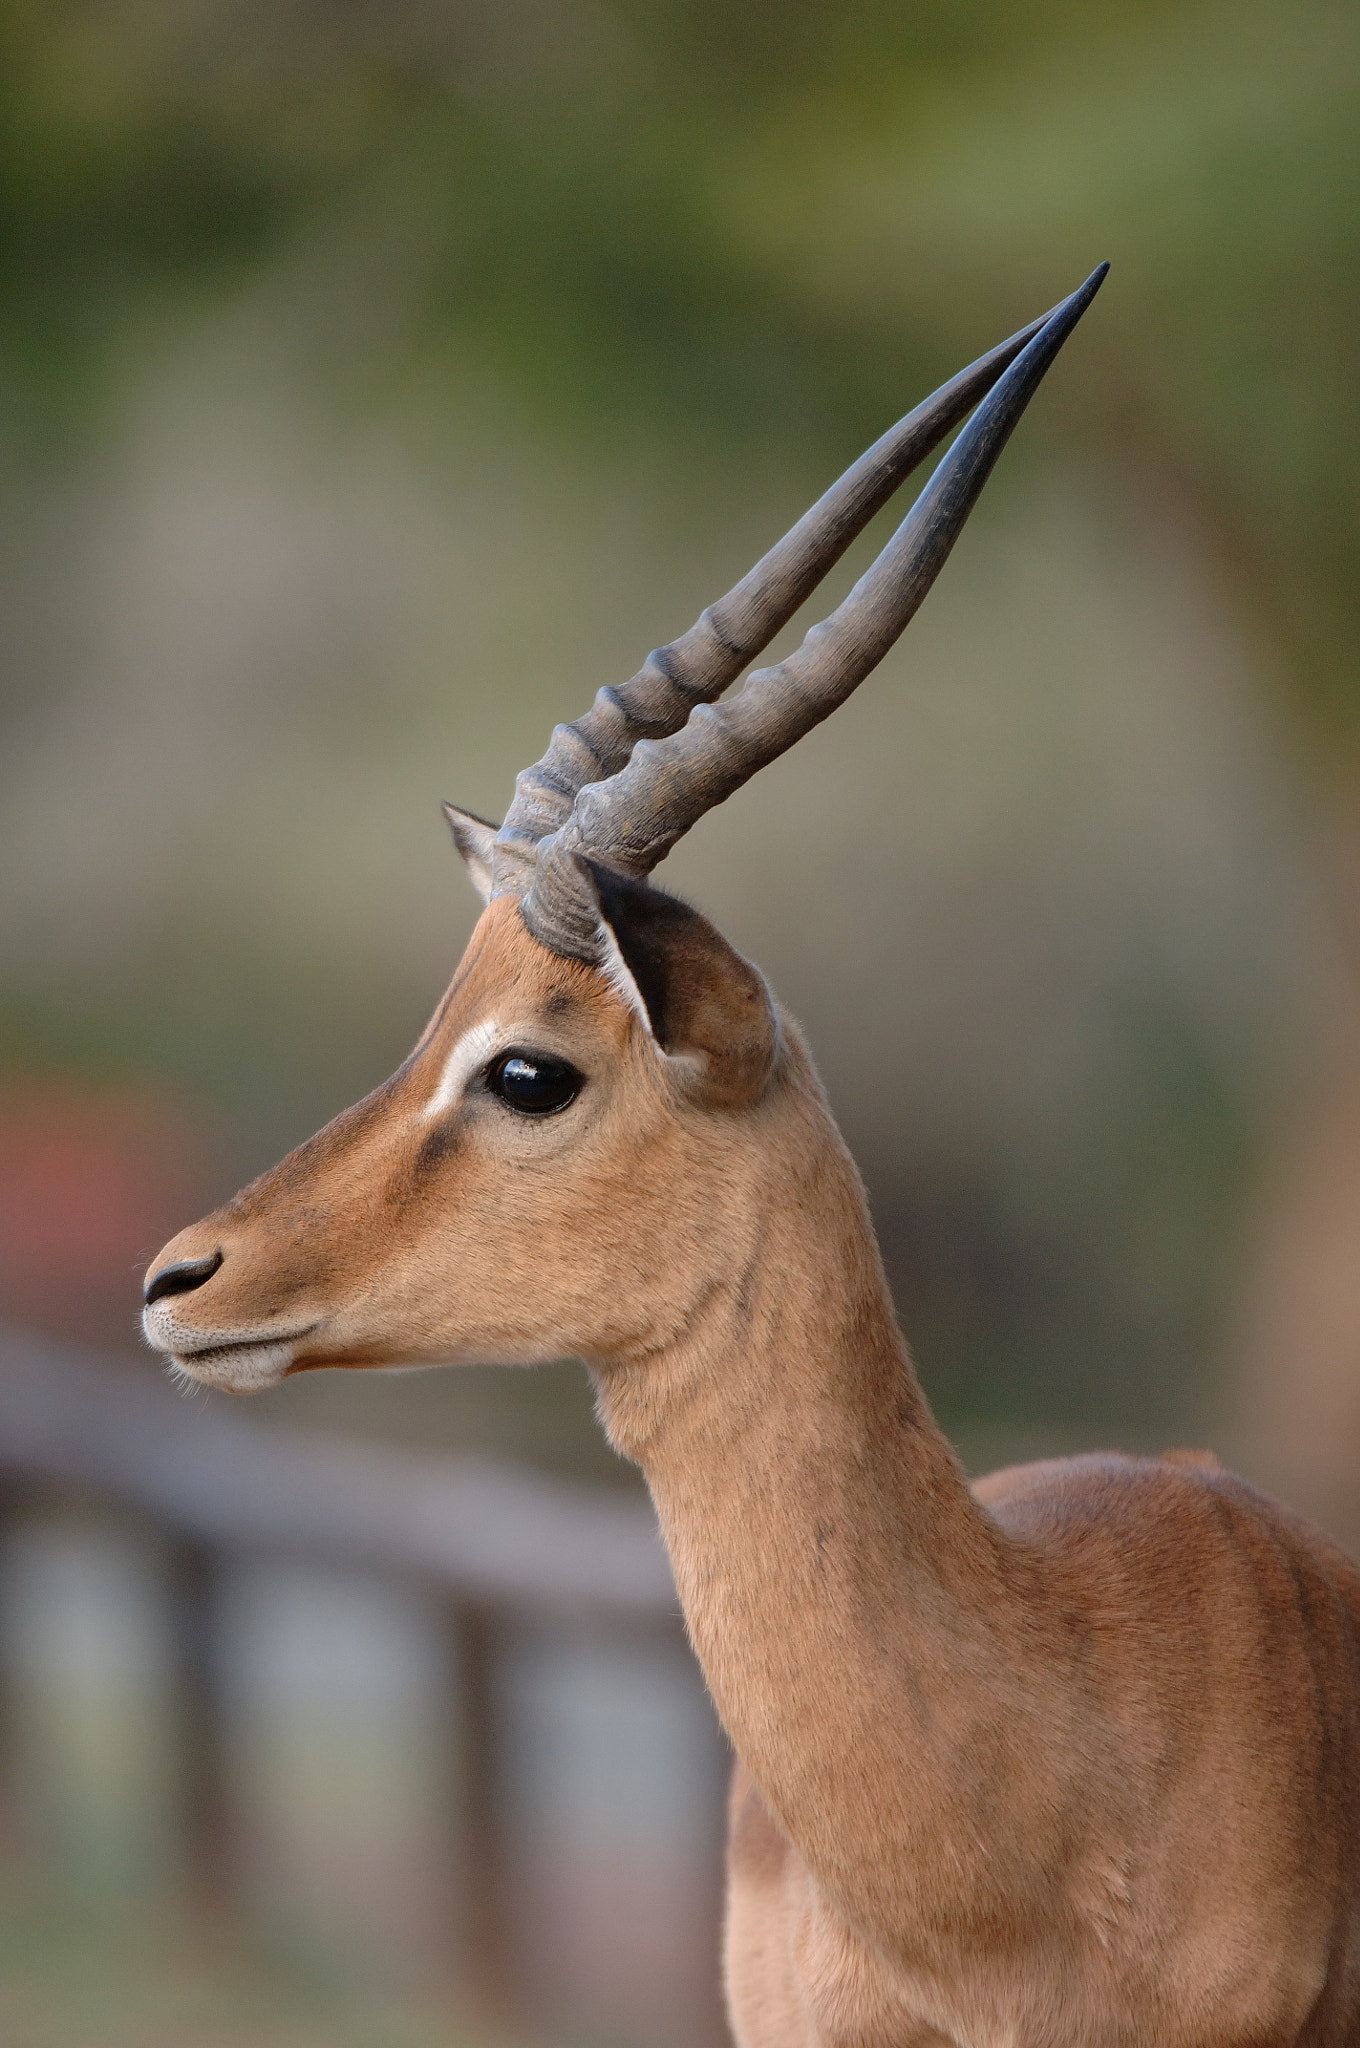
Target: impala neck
873 1642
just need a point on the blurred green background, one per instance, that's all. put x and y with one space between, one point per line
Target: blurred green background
377 381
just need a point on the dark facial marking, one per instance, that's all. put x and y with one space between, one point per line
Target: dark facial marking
441 1139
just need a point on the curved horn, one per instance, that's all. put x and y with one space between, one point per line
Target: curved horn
699 665
633 820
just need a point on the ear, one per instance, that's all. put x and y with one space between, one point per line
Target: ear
474 839
706 1006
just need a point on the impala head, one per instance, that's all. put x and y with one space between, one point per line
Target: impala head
574 1143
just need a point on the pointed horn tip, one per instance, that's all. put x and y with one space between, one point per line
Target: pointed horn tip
1086 292
1038 353
1076 302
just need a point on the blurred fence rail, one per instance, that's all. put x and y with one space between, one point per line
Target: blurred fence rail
487 1533
496 1554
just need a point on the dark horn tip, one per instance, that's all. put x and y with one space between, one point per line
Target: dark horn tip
1030 365
1086 292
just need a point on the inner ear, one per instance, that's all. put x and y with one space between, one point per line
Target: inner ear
701 997
475 839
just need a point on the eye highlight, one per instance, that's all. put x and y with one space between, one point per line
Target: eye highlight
532 1083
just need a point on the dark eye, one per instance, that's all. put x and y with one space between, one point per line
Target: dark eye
532 1083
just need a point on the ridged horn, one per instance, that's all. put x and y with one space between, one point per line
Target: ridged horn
632 820
701 664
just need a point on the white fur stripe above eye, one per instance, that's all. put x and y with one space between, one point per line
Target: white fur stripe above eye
471 1053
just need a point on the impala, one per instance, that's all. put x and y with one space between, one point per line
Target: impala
1070 1757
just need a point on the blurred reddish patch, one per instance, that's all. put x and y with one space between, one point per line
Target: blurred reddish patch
92 1183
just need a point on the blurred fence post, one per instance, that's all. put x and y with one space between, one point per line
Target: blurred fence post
12 1492
203 1798
493 1548
479 1876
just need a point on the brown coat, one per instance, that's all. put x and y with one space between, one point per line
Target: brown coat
1072 1758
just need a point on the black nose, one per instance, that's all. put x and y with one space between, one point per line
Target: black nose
181 1278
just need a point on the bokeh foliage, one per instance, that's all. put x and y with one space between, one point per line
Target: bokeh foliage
767 221
700 241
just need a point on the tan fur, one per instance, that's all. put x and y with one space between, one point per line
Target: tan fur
1069 1759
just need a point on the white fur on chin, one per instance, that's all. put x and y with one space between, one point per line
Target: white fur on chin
241 1369
237 1361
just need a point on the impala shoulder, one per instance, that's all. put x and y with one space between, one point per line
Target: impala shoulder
1146 1525
1135 1503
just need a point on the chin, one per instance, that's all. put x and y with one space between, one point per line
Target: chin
234 1368
237 1362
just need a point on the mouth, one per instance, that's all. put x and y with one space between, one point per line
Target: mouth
237 1362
